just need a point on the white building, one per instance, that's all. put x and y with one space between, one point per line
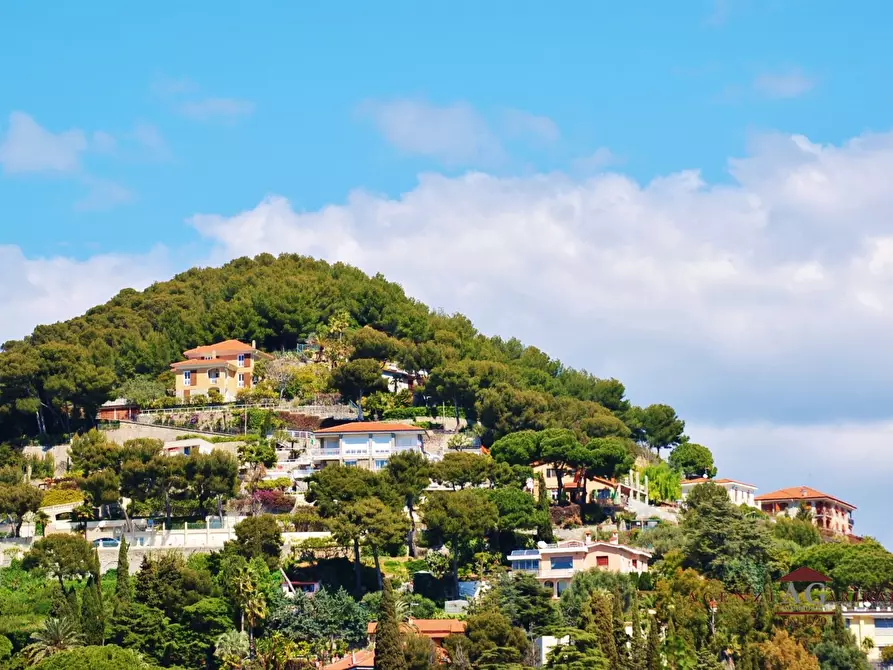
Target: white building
187 447
365 444
554 565
739 492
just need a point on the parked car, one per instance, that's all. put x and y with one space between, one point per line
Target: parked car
106 542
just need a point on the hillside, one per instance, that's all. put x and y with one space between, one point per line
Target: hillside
53 380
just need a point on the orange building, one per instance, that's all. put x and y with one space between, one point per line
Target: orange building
828 513
437 630
226 366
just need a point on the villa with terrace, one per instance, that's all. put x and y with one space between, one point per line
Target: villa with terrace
554 565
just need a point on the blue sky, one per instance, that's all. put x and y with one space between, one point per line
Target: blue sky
664 86
689 196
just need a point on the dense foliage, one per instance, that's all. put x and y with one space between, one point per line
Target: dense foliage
398 547
54 380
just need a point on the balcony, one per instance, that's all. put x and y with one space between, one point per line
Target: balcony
326 454
561 573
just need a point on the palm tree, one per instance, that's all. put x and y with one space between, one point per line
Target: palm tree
232 648
252 603
57 635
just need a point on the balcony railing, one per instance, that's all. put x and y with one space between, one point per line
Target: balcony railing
549 573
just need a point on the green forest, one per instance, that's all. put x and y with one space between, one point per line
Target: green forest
53 381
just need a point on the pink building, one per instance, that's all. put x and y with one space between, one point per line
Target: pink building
828 513
555 565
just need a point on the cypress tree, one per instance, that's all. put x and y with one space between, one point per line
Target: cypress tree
652 648
122 578
765 610
65 605
544 527
92 618
637 641
747 661
621 639
597 619
388 642
838 628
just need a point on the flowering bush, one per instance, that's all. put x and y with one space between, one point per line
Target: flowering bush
274 502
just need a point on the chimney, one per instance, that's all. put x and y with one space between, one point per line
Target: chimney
615 538
353 657
254 344
803 492
587 537
214 353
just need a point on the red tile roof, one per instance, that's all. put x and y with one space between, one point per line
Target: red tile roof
800 493
365 658
433 628
703 480
226 347
370 427
204 362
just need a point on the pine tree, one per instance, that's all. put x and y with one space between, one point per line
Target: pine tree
388 643
652 648
92 618
621 639
637 641
122 579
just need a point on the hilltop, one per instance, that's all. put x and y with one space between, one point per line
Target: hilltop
54 379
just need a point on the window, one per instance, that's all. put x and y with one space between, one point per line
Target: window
381 465
550 472
530 564
562 586
213 375
881 623
350 463
187 377
241 383
562 562
241 361
635 563
185 451
601 561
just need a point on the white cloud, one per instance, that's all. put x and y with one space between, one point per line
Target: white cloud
103 194
149 137
760 309
760 299
220 109
172 86
29 147
103 142
52 289
597 161
787 83
455 133
517 122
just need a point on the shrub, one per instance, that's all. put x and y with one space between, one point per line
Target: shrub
275 501
61 496
567 515
280 483
306 519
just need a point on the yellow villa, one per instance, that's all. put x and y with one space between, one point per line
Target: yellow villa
226 366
